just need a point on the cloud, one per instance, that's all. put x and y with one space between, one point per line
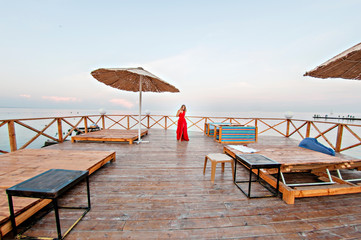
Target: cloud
122 102
25 95
60 99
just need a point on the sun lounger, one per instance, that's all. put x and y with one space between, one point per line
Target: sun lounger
235 134
209 127
304 172
110 135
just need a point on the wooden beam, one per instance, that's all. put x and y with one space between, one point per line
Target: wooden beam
297 129
156 122
103 121
272 127
308 129
117 122
323 136
12 136
60 130
74 127
288 128
195 124
85 124
339 138
39 133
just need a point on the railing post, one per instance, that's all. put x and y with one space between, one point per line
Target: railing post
12 136
339 137
148 121
204 125
85 124
128 122
103 121
166 126
288 128
60 130
308 129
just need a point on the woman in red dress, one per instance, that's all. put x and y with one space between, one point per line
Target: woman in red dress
182 133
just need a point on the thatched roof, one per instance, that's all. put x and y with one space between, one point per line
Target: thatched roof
345 65
129 78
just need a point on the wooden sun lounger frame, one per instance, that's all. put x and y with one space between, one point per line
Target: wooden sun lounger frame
209 127
337 187
110 135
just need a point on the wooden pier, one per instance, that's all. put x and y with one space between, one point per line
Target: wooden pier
157 190
336 118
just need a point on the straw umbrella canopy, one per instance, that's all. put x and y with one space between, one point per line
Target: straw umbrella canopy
135 80
345 65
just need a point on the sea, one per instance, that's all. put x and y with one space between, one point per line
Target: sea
23 134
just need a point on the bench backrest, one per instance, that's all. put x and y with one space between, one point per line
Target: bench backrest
237 134
209 127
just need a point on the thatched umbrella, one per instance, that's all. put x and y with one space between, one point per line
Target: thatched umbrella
135 80
345 65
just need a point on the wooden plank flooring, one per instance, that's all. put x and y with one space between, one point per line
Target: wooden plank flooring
157 190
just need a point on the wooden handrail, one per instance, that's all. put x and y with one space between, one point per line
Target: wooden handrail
322 135
37 135
272 127
280 126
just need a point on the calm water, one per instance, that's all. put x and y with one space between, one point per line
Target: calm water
24 135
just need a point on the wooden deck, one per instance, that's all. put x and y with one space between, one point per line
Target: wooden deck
23 164
157 190
110 135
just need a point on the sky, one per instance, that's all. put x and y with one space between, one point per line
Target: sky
223 56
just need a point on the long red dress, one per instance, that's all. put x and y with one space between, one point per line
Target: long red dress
182 133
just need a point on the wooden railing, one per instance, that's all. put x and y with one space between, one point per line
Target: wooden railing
60 129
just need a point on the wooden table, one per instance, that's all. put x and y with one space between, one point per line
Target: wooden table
49 185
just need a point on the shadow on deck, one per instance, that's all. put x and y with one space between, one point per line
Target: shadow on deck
157 190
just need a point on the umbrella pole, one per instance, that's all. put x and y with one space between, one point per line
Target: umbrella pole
140 109
140 112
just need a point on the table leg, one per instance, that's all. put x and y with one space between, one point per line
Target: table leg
235 171
249 183
205 165
88 191
56 210
12 215
213 171
278 181
232 163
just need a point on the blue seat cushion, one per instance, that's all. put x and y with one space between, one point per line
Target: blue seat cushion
313 144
